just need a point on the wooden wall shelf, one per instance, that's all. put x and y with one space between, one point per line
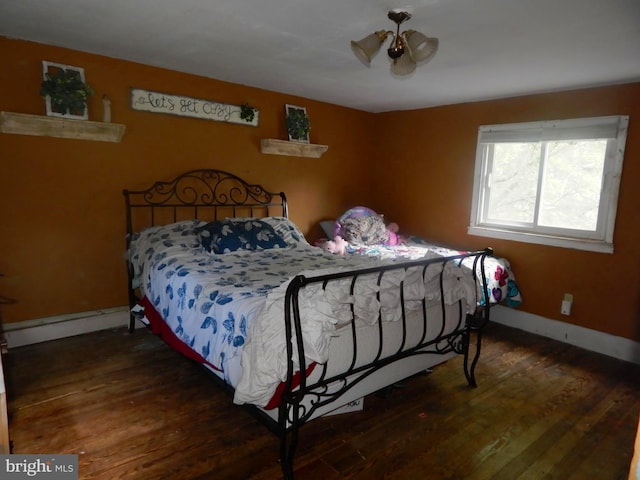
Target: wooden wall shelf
25 124
294 149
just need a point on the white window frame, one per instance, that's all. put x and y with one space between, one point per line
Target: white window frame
612 128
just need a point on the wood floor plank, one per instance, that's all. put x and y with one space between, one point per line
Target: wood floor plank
133 409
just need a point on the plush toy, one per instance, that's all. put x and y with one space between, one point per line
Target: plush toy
394 238
338 245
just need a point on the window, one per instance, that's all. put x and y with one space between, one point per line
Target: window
554 183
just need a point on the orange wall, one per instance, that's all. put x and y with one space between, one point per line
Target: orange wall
430 154
63 217
62 229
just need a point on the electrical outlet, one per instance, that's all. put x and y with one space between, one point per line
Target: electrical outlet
567 301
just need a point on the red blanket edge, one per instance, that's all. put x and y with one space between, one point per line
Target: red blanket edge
160 328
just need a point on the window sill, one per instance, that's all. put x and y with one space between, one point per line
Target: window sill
563 242
25 124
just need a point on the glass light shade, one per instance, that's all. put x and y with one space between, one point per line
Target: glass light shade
421 47
366 48
403 65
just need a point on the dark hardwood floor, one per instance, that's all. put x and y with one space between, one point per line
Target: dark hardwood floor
132 408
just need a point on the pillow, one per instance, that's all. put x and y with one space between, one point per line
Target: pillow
328 227
369 230
230 235
180 234
286 230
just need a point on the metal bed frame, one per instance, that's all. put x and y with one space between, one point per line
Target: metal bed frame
212 194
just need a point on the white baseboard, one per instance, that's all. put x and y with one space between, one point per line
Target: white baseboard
600 342
52 328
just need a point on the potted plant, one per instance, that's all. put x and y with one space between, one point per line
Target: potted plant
66 92
297 123
247 112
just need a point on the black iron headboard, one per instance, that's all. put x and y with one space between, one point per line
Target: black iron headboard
206 194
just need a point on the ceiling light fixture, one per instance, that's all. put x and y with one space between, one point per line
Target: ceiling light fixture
407 49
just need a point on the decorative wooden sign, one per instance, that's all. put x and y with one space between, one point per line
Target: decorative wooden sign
147 101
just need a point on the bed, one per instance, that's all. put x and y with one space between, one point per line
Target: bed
217 269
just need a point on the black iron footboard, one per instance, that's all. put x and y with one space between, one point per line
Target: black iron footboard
417 324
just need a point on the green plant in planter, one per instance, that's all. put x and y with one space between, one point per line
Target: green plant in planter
298 124
247 112
67 91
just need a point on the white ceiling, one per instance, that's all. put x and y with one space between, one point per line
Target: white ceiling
488 48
